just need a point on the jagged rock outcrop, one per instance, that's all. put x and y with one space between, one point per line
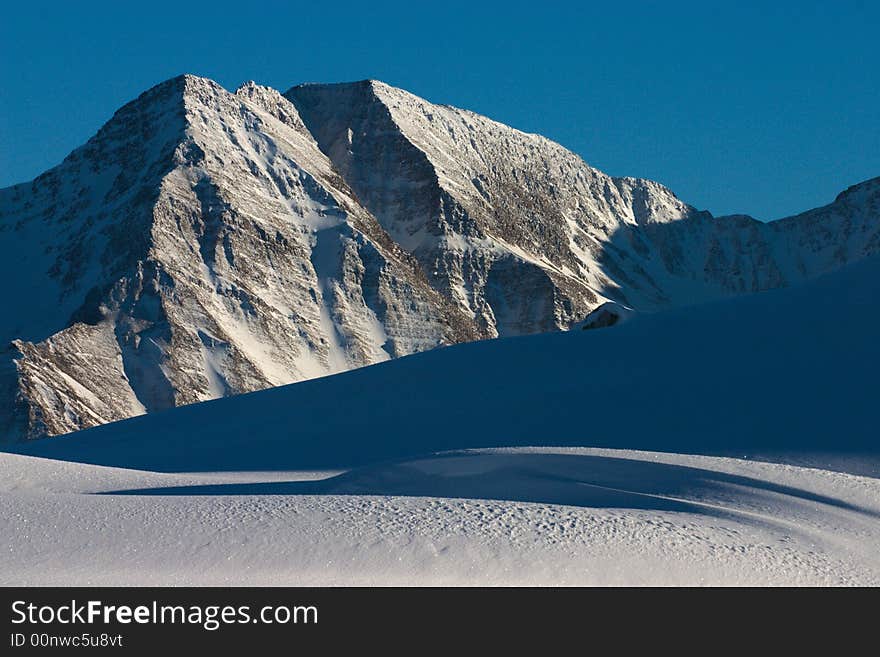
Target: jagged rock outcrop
207 243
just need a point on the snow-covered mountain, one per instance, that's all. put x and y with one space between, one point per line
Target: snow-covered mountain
207 243
199 245
526 236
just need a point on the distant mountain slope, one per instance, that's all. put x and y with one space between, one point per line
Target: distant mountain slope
207 243
791 370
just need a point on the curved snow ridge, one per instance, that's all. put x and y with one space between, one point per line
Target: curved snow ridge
504 516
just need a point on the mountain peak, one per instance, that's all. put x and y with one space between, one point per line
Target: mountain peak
185 83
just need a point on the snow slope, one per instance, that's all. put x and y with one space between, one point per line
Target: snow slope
344 480
791 370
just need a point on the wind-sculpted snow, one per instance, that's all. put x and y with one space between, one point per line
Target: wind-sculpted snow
207 243
528 516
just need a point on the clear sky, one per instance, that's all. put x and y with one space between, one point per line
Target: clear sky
755 107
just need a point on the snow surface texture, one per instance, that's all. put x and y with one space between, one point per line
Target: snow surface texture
442 468
514 516
207 243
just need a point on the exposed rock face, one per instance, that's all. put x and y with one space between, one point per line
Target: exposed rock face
207 243
608 314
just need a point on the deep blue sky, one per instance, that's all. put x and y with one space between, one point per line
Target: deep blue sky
763 108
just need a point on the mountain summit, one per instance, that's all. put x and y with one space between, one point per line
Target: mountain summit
206 243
